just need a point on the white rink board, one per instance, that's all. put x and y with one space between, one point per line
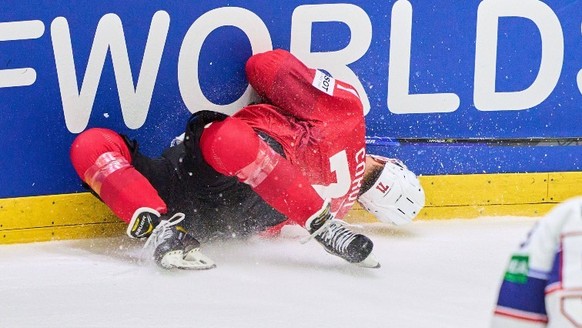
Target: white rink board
434 274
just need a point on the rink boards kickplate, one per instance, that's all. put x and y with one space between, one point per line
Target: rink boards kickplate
81 215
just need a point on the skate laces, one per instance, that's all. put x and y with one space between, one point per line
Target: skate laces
335 233
163 231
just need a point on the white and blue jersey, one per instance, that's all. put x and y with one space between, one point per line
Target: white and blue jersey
542 286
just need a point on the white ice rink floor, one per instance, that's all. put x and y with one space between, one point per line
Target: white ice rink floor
434 274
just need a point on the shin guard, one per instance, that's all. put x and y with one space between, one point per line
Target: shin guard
232 148
101 159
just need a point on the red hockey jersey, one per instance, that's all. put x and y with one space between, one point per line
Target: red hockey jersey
319 122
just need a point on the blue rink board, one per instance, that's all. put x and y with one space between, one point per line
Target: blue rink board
470 158
365 42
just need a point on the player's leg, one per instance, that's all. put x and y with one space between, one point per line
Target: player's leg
103 161
233 148
247 212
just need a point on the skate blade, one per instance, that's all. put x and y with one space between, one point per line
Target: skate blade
193 260
202 261
369 262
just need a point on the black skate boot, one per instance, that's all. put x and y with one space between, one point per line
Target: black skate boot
337 239
174 247
143 223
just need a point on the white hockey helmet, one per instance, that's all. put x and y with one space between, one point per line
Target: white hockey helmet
396 196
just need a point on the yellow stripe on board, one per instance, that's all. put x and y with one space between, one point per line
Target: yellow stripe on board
81 215
564 185
54 217
517 194
80 231
485 189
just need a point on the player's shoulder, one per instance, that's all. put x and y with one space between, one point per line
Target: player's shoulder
574 201
572 206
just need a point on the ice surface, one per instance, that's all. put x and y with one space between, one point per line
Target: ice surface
434 274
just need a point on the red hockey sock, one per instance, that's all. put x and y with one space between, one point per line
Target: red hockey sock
284 187
103 161
232 148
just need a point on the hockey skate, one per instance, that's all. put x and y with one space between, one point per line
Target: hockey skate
337 239
173 246
143 223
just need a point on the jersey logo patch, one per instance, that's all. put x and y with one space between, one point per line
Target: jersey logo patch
324 82
518 269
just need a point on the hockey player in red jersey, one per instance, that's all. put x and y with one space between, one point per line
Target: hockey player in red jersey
542 287
297 158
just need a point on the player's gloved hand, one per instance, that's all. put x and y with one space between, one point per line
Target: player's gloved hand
174 247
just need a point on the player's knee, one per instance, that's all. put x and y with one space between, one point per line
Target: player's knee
92 143
229 145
